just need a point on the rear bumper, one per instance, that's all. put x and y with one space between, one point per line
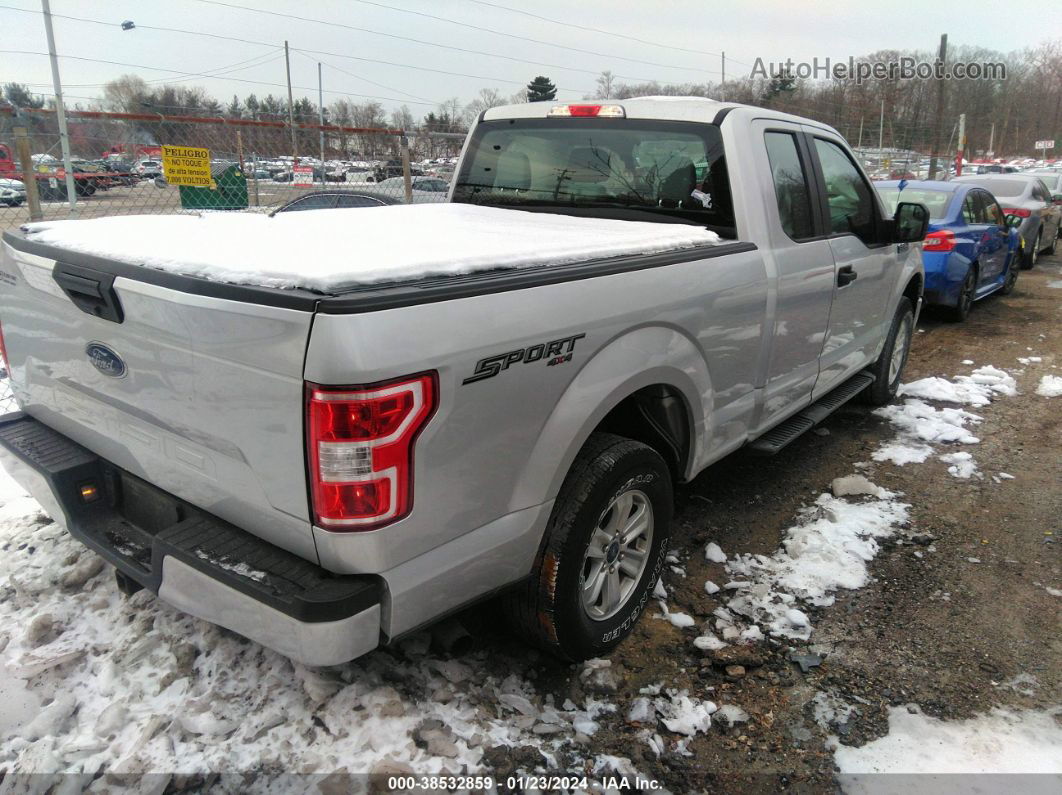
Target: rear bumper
195 561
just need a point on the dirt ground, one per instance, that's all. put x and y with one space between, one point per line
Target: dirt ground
932 628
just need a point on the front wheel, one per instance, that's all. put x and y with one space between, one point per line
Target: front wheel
889 366
603 551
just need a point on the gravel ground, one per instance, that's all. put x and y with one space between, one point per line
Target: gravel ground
957 617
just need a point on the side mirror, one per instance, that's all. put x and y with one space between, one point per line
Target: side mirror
910 222
1013 221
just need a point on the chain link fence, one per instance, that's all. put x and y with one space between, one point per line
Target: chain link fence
118 168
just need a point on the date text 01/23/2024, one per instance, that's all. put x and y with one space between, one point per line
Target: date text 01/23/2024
520 783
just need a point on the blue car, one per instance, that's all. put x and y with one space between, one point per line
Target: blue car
970 251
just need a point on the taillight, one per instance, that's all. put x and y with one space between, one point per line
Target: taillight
1021 212
606 111
360 449
943 240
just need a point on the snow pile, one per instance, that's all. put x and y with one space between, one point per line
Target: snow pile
921 425
329 249
676 710
1050 386
1000 742
827 550
93 681
961 465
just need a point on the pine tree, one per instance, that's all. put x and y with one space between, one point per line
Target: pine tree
541 89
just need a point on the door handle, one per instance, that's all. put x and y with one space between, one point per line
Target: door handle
846 276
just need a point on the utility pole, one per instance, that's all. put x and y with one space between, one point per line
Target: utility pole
722 84
935 145
991 141
859 147
60 108
881 128
291 114
320 117
962 145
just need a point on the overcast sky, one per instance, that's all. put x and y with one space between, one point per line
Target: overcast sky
683 39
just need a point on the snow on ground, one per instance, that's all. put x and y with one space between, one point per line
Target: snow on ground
835 538
1001 741
1050 386
299 249
828 549
92 681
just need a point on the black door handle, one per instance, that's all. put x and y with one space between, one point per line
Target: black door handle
91 291
846 276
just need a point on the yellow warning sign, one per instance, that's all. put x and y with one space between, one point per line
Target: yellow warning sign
187 165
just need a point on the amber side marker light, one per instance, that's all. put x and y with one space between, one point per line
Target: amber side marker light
89 492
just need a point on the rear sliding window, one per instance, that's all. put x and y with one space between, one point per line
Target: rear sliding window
618 168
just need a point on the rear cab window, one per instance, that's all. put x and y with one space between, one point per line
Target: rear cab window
791 189
632 169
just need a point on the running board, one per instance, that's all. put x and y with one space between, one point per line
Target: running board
781 435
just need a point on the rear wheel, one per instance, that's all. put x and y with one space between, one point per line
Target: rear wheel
1032 255
889 366
961 310
1012 277
602 553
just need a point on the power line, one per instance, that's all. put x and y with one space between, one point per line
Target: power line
603 32
314 52
365 79
415 41
191 74
333 24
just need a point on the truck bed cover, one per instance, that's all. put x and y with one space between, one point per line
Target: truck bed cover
335 251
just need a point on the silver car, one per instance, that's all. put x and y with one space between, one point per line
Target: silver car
1026 196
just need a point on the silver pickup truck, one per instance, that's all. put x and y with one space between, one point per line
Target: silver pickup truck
325 469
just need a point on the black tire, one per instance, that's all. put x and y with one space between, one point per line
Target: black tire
961 310
1012 278
1028 261
548 608
883 389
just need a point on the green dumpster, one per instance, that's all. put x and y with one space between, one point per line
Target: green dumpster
229 191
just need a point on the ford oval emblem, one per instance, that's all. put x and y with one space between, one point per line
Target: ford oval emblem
105 360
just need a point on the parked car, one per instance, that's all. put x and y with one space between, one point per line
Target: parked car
1052 178
425 189
330 435
995 168
332 200
1026 196
148 169
970 250
12 192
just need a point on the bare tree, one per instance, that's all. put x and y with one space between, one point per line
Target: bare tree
604 85
488 98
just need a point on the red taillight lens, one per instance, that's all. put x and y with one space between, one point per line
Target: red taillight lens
605 111
360 450
944 240
1021 212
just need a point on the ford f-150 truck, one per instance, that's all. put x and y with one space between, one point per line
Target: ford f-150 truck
326 464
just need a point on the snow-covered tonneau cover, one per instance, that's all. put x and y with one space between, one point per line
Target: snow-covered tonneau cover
335 251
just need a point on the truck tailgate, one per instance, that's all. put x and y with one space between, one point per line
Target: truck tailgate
199 394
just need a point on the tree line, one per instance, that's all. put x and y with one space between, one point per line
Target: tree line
1004 115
